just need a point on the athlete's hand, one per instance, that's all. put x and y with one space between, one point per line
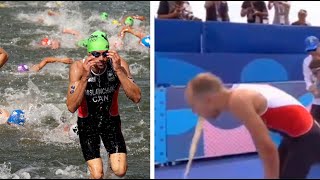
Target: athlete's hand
88 63
116 60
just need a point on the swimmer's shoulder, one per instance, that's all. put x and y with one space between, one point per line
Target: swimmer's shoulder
242 99
246 103
77 64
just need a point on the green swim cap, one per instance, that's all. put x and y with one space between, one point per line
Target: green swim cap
97 44
104 16
129 21
98 34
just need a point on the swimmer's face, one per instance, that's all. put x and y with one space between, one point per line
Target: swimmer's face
100 58
203 105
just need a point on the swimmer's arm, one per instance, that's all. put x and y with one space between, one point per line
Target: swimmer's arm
55 59
77 86
130 88
260 136
4 115
52 13
128 30
3 57
71 31
47 60
141 18
123 32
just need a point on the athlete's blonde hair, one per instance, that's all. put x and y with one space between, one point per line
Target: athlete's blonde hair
205 83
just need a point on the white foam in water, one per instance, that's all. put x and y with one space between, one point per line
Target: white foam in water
71 172
136 139
136 69
55 4
37 113
56 69
5 172
59 135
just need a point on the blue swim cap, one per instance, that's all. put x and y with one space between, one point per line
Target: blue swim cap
17 117
146 41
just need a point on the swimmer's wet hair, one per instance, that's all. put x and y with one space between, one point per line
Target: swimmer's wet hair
204 83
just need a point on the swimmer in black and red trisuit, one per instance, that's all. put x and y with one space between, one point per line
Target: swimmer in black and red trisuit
260 108
93 91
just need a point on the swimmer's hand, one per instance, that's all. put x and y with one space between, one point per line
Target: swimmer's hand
88 63
116 60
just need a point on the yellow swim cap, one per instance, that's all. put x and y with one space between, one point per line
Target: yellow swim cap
115 22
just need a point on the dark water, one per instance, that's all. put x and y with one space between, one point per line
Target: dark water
41 149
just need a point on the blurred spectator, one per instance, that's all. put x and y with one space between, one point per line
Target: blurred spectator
281 11
176 10
313 49
256 11
217 11
302 16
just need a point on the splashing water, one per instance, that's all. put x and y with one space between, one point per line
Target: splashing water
71 172
5 172
72 18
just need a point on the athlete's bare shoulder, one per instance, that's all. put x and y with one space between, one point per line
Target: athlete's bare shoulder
246 99
76 68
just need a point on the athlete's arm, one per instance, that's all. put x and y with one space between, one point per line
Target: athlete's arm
3 57
71 31
4 115
141 18
47 60
244 110
122 70
78 77
131 31
123 32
